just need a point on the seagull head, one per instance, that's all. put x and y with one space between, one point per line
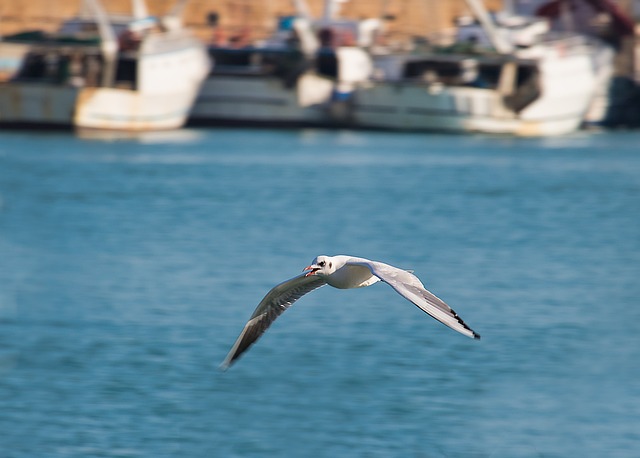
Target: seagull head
321 265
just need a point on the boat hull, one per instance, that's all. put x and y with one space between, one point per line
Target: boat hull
460 109
262 100
153 87
41 104
121 109
544 90
95 108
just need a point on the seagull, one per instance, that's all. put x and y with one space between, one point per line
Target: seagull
342 272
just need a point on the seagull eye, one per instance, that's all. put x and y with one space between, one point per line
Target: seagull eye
321 263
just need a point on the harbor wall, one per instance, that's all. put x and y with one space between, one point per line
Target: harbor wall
255 18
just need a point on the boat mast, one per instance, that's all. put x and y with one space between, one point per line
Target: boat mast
139 9
302 25
330 8
173 19
108 42
480 12
302 9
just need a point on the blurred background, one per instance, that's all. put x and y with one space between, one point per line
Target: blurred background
429 17
162 166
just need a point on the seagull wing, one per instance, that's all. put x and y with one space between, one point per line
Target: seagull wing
411 288
279 299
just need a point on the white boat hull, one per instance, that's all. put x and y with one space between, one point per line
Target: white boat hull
95 108
262 99
164 78
121 109
415 105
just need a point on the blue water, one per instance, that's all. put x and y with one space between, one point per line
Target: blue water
129 267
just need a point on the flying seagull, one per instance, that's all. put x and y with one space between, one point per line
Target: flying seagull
342 272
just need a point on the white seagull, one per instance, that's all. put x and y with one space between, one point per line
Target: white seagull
342 272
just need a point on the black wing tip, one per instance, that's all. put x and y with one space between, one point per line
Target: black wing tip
474 334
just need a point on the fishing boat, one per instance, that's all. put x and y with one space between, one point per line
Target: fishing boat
98 71
526 81
302 75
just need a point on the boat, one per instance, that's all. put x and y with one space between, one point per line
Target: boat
302 75
511 77
98 71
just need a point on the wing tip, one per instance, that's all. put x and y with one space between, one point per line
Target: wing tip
470 332
225 365
230 359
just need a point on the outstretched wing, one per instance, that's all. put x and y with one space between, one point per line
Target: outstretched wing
279 299
411 288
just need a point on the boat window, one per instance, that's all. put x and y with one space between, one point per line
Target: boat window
44 67
455 72
327 63
527 88
126 73
444 71
488 75
234 58
33 67
286 64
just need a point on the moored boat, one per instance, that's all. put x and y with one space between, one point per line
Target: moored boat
531 83
303 74
131 73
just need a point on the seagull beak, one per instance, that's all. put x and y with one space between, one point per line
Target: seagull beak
310 270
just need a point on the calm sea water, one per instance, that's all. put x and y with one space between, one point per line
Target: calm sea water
128 268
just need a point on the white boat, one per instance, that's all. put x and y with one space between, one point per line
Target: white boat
299 76
536 84
130 73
